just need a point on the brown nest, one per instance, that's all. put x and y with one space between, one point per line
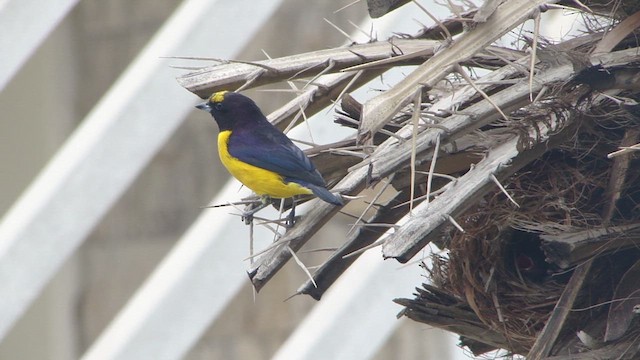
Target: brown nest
503 268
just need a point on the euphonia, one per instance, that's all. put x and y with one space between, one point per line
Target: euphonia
259 155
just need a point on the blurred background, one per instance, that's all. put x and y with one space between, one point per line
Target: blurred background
87 48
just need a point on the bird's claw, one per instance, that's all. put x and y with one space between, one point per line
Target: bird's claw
291 219
247 217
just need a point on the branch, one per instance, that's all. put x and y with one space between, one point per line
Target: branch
233 75
434 307
391 156
502 161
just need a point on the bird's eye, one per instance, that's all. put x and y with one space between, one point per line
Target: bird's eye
218 106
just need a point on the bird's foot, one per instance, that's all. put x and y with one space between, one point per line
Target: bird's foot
291 219
247 216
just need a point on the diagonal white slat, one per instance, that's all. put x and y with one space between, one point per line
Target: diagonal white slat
189 288
114 142
24 24
194 282
202 273
358 307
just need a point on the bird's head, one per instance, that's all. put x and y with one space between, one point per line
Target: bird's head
228 108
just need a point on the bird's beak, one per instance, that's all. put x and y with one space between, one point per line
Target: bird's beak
204 106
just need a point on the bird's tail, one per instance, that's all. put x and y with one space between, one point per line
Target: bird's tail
324 194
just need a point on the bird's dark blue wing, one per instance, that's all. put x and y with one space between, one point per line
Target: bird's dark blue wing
268 148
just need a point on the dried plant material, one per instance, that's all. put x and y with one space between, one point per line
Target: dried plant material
551 331
570 246
448 38
534 51
504 191
618 33
457 148
301 265
233 74
487 8
624 150
361 238
415 122
468 79
379 110
432 168
625 299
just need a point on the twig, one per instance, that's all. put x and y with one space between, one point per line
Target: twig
378 111
549 334
470 81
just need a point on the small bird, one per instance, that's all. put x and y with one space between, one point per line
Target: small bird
261 156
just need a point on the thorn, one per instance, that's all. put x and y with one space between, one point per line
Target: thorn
350 197
302 266
292 296
266 54
330 65
251 79
363 249
453 221
196 58
495 180
436 20
190 68
346 6
624 150
340 30
432 166
375 198
368 35
349 85
257 64
464 74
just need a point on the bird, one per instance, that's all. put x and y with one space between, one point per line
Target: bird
261 156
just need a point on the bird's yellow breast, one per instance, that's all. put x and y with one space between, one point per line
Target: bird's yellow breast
261 181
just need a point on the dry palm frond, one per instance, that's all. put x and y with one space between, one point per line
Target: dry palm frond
507 170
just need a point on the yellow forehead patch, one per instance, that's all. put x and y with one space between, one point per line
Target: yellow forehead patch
218 96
